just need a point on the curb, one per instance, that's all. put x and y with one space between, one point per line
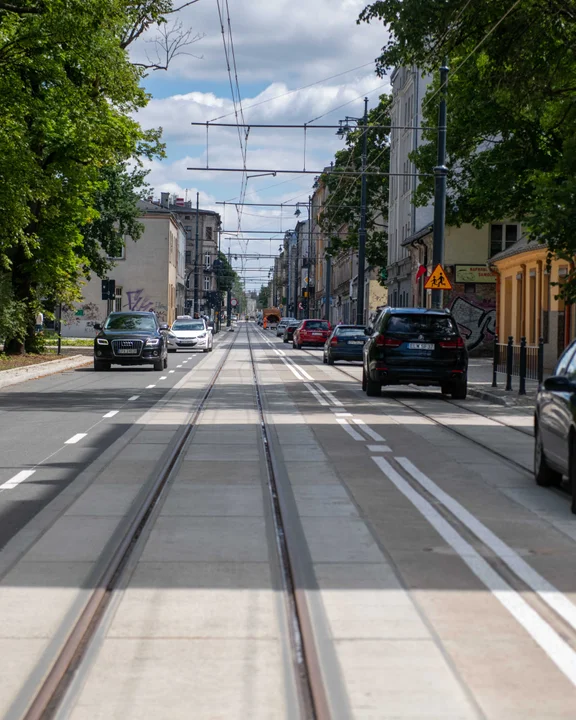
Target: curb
50 367
495 399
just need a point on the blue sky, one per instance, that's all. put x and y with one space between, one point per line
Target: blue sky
279 47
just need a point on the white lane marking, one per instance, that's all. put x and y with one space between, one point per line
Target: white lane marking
300 369
339 413
75 438
134 397
164 377
329 395
149 387
316 394
17 479
111 413
378 448
292 369
170 371
178 366
368 430
548 592
349 430
557 650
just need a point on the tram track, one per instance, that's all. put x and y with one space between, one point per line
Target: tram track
75 658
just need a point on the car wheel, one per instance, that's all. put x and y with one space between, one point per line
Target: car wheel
210 348
460 390
373 389
330 360
445 389
572 472
293 344
299 346
363 379
101 365
324 359
286 340
159 364
165 362
543 473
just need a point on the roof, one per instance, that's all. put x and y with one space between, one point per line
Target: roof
419 235
520 246
418 311
150 207
132 312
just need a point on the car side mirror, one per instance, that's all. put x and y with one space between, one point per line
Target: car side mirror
367 331
559 383
164 326
97 326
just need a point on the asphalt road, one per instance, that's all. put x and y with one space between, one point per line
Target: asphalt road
52 428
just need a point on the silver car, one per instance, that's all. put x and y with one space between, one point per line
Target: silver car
283 324
190 334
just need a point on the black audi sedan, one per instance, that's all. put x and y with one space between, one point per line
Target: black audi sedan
415 346
130 338
555 425
345 343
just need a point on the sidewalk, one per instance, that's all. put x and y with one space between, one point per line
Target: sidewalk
480 385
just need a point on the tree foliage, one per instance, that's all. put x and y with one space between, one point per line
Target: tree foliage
263 297
226 275
511 109
68 138
340 216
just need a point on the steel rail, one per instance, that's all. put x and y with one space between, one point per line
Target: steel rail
59 676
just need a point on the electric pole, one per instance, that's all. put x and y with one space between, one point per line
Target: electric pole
440 173
362 230
229 297
328 296
196 258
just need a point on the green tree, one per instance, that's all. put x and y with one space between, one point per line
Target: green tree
226 274
263 297
342 209
511 111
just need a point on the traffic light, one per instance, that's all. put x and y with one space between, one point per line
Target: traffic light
108 289
384 274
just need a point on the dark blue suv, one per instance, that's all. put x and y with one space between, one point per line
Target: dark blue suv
415 346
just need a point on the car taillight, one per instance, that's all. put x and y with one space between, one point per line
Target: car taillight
334 341
382 341
452 344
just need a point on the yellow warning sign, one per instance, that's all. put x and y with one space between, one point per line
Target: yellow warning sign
438 280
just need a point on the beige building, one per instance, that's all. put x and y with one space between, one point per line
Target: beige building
149 276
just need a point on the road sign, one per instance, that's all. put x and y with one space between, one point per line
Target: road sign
438 280
233 302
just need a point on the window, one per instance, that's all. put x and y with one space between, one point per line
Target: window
426 325
207 260
208 233
564 360
207 283
118 299
502 237
188 257
131 322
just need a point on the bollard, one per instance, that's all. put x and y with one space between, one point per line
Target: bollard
495 361
540 360
509 359
522 390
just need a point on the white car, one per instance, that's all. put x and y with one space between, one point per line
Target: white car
190 334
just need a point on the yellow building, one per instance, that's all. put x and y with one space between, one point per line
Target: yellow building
528 304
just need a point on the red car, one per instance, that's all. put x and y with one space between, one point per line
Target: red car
311 332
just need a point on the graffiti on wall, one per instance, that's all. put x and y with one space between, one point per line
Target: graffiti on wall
138 300
476 320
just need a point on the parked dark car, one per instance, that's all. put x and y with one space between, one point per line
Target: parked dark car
311 332
555 425
345 343
415 346
130 338
290 330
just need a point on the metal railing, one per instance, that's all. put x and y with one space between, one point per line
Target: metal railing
522 361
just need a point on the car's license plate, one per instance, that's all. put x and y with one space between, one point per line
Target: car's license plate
316 334
127 351
355 342
420 346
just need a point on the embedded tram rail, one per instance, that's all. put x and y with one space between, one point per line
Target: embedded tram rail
59 690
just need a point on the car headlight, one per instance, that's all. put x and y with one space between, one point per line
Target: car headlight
171 335
201 337
152 342
102 341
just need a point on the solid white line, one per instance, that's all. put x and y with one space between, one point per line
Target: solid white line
170 371
316 394
349 430
149 387
111 413
330 395
300 369
339 413
164 377
134 397
548 592
379 448
17 479
293 370
557 650
368 430
75 438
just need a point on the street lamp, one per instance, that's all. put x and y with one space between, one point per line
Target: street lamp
342 132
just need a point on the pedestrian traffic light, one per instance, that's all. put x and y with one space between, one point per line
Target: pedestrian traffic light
384 274
108 289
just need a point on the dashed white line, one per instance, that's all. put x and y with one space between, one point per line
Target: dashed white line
368 430
164 377
350 430
17 479
339 413
316 394
561 654
111 413
134 397
170 371
149 387
379 449
75 438
178 366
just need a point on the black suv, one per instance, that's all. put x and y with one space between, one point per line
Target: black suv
130 338
415 346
